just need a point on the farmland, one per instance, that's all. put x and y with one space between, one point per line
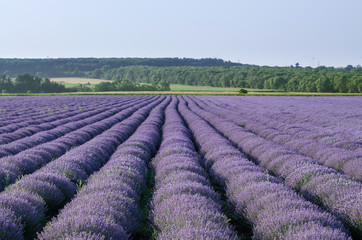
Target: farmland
71 82
180 167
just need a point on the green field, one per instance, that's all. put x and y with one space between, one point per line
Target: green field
187 88
176 89
185 93
72 82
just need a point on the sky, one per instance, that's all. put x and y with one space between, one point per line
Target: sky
262 32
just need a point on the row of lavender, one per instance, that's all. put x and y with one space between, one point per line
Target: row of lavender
345 161
184 205
332 121
340 131
26 204
274 210
108 205
55 109
51 131
332 112
12 132
13 108
32 109
324 186
130 155
63 138
111 153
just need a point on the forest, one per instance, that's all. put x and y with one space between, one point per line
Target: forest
290 79
78 67
201 72
26 83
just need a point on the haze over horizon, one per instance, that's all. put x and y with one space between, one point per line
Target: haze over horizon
261 32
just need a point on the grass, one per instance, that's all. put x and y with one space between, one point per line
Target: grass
188 88
73 82
176 89
146 231
121 93
78 80
185 93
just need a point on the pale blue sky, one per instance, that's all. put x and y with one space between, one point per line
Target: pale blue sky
263 32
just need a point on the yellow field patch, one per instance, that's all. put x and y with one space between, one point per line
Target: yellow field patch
78 80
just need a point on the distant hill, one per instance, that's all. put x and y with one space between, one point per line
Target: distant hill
75 67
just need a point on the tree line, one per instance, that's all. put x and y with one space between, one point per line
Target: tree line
78 67
26 83
127 85
203 72
291 79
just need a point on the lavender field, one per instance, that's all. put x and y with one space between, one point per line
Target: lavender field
180 167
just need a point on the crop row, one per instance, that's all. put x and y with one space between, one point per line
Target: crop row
27 110
322 185
33 122
314 119
34 196
45 115
26 162
33 135
171 167
14 132
327 132
342 160
184 205
29 127
275 211
108 205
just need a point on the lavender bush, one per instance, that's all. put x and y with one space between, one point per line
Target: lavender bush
343 160
108 205
274 210
184 205
28 161
190 167
321 185
71 168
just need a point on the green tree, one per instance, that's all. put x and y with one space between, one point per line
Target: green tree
6 83
104 87
353 83
164 86
293 84
26 82
51 87
340 83
278 82
323 84
360 87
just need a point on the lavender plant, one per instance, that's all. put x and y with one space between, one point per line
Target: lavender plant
48 123
42 193
321 185
345 161
274 210
28 161
108 206
184 205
